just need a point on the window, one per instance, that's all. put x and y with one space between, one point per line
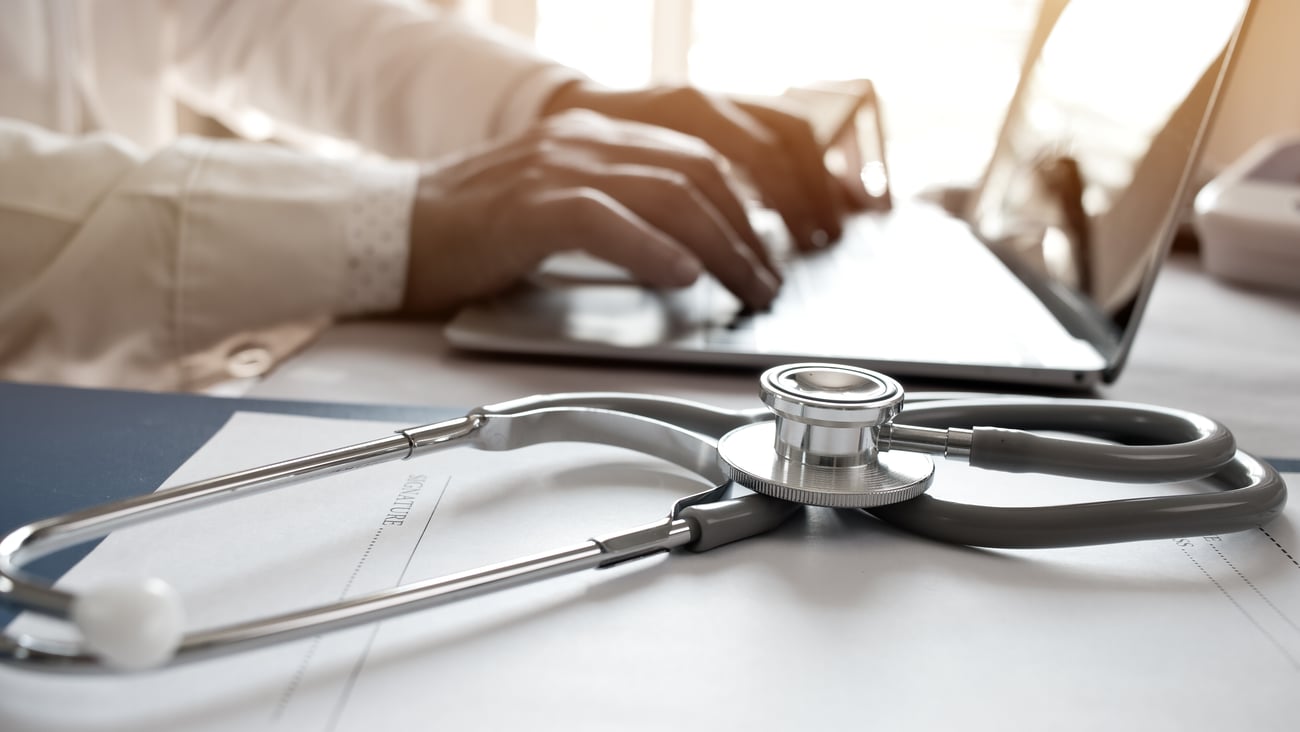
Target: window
944 69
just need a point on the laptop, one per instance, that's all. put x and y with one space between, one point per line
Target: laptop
1041 277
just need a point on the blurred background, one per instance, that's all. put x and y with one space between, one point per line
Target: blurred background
929 59
945 69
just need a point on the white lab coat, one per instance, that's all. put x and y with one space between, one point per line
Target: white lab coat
129 257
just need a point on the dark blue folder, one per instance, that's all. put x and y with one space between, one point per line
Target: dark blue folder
63 449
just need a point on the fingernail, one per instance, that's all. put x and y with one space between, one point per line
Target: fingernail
835 231
686 270
768 288
809 237
819 239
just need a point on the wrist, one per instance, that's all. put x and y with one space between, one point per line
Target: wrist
376 236
415 299
576 94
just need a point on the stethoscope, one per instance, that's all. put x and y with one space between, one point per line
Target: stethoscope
827 437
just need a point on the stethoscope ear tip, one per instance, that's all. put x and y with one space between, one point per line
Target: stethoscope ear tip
134 625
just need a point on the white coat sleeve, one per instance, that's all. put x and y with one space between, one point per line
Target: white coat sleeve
405 80
145 270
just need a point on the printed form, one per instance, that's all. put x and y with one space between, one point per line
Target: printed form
833 621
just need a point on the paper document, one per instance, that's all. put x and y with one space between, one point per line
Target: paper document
832 622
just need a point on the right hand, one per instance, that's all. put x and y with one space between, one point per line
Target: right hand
658 203
775 147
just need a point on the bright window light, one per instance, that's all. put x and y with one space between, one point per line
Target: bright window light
945 69
608 41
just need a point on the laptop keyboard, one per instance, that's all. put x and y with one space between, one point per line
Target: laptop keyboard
913 286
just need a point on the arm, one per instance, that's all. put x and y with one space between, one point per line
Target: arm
413 82
146 270
137 270
405 81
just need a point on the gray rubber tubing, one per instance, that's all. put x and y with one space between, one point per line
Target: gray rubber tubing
1161 445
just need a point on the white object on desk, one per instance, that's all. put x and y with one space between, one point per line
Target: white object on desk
1248 218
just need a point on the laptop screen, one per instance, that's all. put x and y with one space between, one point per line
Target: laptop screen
1084 190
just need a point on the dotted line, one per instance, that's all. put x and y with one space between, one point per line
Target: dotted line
346 694
360 562
1210 577
1241 609
1255 589
1280 548
298 675
294 682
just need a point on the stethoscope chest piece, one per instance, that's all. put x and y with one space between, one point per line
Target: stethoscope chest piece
822 448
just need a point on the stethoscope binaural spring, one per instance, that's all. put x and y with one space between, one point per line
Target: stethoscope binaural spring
826 437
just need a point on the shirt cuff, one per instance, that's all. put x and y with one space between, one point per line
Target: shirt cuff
377 239
524 106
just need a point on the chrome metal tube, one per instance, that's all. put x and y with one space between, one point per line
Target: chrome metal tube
50 535
389 603
951 443
641 541
71 529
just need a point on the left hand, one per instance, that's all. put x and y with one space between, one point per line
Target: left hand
775 147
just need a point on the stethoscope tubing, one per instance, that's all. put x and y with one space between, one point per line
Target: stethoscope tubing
1251 494
1143 444
1123 442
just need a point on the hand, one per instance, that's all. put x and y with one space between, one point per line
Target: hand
844 160
656 202
775 147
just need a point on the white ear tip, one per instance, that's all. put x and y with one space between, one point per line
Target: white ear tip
133 625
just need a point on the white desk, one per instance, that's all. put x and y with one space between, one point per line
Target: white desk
1204 346
831 622
1182 634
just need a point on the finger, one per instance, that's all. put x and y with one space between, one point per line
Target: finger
668 201
762 152
847 150
590 219
653 178
808 161
736 135
707 171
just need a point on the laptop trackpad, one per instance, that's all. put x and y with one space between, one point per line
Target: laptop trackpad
580 304
578 267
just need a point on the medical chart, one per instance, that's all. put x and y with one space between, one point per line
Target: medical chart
834 621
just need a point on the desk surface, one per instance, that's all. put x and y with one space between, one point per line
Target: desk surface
853 626
1204 346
